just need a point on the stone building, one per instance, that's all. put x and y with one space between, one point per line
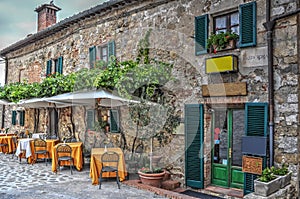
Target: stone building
235 103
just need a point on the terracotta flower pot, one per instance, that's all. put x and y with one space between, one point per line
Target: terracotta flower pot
152 179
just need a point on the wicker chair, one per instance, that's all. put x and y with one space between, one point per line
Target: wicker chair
40 148
109 161
64 153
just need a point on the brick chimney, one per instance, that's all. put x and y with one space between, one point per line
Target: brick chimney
46 15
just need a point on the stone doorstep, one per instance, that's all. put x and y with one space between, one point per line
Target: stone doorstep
158 191
222 192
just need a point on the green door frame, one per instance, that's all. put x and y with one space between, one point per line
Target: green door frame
225 174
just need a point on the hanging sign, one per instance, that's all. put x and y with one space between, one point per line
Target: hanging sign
252 165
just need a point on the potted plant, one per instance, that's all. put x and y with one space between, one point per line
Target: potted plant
152 177
283 174
222 40
267 183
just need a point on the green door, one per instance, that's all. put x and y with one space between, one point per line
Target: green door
227 132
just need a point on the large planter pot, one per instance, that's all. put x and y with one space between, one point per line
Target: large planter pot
285 180
266 188
152 179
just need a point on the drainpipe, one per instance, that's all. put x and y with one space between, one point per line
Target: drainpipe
5 82
269 26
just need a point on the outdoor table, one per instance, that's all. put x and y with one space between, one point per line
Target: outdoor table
50 145
95 166
76 154
26 143
8 140
8 134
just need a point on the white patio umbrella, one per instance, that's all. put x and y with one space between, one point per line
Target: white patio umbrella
88 98
40 103
4 102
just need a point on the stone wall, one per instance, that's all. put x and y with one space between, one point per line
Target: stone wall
171 40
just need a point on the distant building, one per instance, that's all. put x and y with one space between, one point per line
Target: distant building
231 96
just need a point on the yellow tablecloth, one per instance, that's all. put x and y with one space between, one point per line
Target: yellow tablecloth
95 166
7 140
76 154
9 134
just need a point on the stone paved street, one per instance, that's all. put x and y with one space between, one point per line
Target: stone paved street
28 181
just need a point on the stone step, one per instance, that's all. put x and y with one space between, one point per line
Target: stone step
170 184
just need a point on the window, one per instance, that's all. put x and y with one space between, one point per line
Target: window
242 22
58 66
18 118
227 23
90 119
103 52
114 121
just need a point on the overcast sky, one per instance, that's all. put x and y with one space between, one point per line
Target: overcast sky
18 18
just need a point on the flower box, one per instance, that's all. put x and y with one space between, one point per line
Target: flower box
266 188
284 179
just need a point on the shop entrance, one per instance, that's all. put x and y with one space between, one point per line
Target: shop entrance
227 132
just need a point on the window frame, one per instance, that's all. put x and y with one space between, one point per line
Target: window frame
228 16
98 53
54 65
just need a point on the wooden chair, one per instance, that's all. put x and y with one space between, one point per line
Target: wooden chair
109 161
15 144
3 146
64 153
40 148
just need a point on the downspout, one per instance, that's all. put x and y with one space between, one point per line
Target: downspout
5 82
269 26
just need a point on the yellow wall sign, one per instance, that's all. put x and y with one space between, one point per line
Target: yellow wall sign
221 64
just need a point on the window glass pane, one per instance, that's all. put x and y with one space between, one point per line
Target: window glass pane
98 53
234 19
221 30
235 29
220 23
104 53
56 66
220 137
237 133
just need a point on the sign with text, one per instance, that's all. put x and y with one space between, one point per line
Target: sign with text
254 57
252 165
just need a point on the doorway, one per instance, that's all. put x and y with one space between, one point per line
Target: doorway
227 132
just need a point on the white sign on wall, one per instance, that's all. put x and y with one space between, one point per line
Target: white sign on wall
254 57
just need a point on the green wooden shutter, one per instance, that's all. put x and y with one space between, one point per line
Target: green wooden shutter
194 137
256 124
114 121
90 119
256 119
22 118
247 24
60 65
13 117
92 54
111 49
201 34
49 67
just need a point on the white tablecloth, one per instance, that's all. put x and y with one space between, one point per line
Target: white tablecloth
25 143
38 135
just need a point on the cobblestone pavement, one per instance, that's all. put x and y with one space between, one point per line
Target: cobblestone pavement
28 181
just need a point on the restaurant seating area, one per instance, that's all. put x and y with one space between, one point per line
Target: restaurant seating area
107 161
